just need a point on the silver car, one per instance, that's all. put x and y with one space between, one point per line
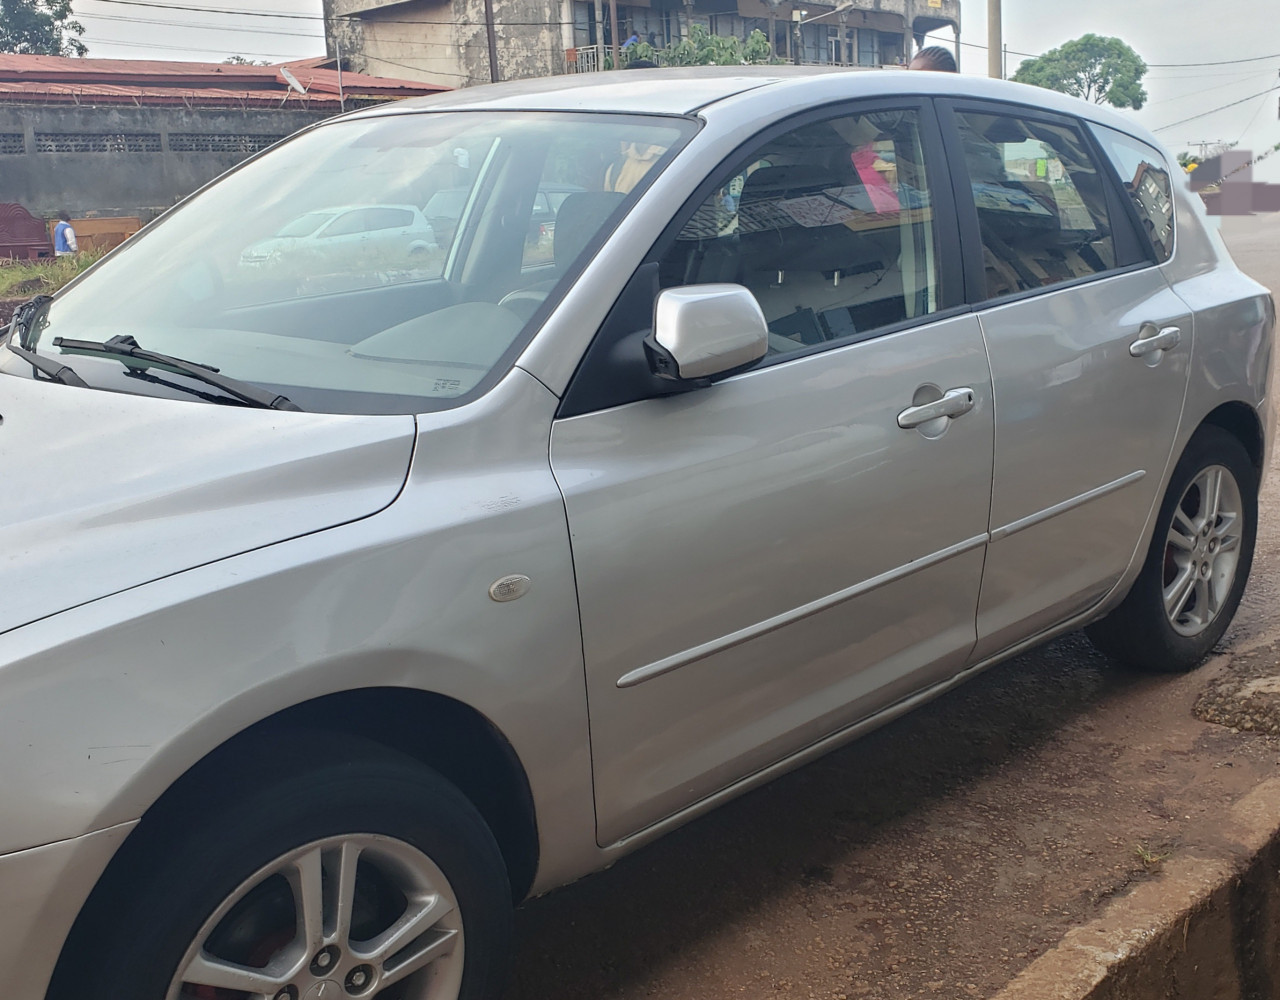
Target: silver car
835 389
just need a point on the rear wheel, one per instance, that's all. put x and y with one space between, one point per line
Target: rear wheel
1196 569
359 874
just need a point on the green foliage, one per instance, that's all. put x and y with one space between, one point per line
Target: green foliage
1102 70
242 61
757 50
1186 159
40 27
702 48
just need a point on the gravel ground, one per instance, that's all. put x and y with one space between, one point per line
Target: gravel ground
943 853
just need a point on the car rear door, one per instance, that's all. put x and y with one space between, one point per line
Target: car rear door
769 559
1089 354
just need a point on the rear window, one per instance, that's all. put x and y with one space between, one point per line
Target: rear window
1145 175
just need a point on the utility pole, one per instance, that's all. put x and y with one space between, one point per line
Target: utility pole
337 47
995 41
492 37
599 11
613 31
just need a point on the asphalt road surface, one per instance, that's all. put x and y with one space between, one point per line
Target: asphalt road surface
940 855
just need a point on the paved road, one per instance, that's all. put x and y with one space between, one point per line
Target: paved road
938 856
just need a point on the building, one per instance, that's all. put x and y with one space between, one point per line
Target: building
447 42
129 138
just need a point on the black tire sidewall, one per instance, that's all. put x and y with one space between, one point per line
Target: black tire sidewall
188 859
1139 631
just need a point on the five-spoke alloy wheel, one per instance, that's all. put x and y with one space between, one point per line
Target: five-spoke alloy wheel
1202 551
348 916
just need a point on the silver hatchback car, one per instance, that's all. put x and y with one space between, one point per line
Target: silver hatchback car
347 602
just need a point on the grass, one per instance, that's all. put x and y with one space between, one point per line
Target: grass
1149 857
21 279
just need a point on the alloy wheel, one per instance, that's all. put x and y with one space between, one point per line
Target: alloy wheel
1202 551
351 916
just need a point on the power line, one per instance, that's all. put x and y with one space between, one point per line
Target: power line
268 33
1248 79
1206 114
278 56
1227 62
1257 111
347 19
419 69
213 27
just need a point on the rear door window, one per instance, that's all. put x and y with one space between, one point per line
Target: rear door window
1041 201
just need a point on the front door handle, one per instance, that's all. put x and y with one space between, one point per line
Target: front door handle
954 403
1165 340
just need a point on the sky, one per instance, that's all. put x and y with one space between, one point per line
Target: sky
1162 32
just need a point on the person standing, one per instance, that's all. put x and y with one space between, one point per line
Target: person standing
64 237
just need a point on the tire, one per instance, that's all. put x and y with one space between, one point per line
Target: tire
1142 632
220 865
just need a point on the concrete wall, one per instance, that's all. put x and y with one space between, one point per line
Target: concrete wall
125 161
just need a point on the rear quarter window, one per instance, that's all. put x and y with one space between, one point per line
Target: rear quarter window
1144 172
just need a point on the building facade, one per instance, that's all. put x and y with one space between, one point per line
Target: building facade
448 42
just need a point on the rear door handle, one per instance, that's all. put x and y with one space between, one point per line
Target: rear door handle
1165 340
954 403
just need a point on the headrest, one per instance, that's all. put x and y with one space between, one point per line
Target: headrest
580 217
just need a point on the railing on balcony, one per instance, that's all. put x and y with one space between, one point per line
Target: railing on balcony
585 59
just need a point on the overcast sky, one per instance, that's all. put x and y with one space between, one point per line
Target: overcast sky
1162 31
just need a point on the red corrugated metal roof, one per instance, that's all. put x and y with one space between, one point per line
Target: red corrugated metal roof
59 79
106 93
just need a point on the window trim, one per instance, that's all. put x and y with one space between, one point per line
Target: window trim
1131 210
967 209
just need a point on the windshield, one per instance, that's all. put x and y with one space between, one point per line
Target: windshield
378 304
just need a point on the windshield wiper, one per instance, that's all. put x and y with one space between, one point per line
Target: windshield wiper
23 319
55 369
125 346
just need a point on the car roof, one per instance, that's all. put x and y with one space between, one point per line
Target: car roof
694 89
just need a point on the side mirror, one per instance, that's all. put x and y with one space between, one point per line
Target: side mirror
705 330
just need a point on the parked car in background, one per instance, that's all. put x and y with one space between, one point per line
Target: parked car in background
399 230
340 616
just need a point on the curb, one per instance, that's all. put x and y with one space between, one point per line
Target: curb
1209 926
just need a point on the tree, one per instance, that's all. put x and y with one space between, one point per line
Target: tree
40 27
1188 161
1102 70
242 61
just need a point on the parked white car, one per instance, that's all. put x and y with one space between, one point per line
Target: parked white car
338 616
333 232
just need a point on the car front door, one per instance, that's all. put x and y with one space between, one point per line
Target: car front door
1089 352
767 560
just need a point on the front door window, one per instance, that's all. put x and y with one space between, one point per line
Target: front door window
831 227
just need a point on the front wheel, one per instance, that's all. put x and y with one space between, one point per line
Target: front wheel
359 874
1196 569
